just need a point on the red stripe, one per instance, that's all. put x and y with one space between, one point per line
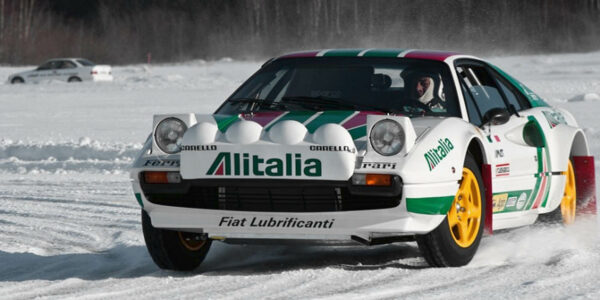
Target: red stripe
359 119
301 54
541 192
503 174
502 165
431 55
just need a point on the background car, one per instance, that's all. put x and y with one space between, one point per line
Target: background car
65 69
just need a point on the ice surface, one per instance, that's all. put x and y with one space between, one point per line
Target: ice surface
70 226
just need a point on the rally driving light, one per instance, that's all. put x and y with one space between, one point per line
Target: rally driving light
161 177
169 134
372 179
387 137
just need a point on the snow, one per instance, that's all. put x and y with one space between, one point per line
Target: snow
70 226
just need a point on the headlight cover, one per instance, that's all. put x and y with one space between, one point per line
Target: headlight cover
387 137
169 134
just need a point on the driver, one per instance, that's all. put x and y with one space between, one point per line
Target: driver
426 89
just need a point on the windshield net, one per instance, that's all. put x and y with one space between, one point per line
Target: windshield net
394 85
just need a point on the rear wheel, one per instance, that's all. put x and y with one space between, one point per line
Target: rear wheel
565 212
74 79
17 80
454 242
174 250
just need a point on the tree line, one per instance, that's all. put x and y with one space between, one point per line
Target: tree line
126 31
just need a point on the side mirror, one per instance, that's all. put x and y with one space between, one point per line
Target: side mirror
496 116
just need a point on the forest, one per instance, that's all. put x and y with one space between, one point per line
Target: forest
128 31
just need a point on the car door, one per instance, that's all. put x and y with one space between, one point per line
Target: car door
66 70
514 161
43 72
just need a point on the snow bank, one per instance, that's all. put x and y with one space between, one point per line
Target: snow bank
85 155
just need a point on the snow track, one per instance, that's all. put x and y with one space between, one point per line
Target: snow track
70 226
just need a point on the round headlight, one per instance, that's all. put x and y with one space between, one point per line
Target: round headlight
169 134
387 137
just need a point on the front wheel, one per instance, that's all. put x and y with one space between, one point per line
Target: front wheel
454 242
17 80
174 250
74 79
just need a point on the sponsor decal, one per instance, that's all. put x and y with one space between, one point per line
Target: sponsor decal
333 148
499 153
244 164
162 163
554 118
521 201
502 170
272 222
512 201
435 155
499 201
378 165
199 148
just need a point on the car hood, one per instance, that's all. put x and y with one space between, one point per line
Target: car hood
297 144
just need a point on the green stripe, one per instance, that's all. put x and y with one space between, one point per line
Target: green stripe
332 116
383 52
300 116
358 132
138 196
430 205
224 121
343 52
534 99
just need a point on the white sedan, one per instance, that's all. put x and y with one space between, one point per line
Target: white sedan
65 69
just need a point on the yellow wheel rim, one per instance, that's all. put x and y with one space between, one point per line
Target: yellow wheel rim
568 204
191 241
464 216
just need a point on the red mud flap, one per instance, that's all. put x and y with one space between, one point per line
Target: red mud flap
585 181
486 173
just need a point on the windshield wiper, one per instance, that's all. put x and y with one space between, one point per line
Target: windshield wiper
321 101
256 103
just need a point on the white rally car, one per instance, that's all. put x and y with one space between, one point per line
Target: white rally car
362 146
65 69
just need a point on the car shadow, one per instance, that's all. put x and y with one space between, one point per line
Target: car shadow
134 261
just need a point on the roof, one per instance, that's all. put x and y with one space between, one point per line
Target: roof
408 53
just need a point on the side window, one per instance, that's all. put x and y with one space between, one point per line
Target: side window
46 66
67 65
513 96
481 87
472 110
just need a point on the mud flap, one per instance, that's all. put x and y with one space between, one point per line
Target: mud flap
486 173
585 181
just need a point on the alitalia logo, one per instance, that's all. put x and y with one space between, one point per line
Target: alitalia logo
435 155
244 164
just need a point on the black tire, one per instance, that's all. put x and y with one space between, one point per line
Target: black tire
168 250
439 247
17 80
74 79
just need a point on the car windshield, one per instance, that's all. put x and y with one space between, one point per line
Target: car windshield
86 63
394 85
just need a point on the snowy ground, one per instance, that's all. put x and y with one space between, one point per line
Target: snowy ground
70 226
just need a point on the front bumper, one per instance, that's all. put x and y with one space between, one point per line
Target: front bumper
227 219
